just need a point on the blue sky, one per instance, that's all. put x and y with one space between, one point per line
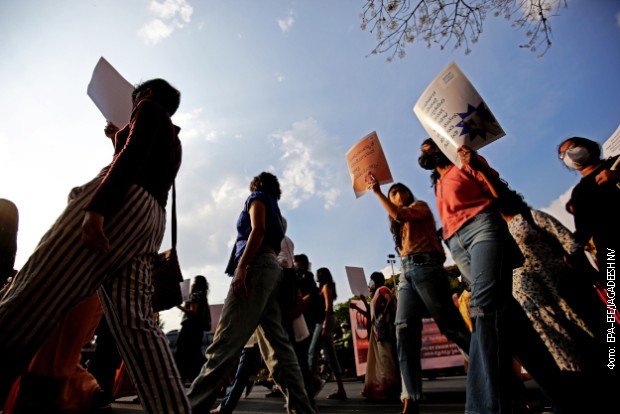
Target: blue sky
287 87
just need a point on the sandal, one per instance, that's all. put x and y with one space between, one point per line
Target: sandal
337 396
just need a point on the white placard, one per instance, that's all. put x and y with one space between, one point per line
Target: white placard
185 286
111 93
357 280
611 147
453 114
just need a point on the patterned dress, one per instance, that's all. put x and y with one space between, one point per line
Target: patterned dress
382 380
535 285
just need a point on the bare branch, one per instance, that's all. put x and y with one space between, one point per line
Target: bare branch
396 23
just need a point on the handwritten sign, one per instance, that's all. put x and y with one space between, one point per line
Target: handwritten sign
611 147
364 158
453 114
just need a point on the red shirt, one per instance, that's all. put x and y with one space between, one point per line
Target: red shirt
147 152
461 194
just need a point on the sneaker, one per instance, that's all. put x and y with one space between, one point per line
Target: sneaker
337 396
275 394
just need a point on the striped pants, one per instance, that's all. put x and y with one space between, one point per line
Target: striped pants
61 272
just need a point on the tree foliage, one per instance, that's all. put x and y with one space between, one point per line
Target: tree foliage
396 23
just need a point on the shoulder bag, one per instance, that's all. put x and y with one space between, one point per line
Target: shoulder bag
166 276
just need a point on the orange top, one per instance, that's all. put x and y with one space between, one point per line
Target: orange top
419 232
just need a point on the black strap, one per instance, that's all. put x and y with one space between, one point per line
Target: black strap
174 216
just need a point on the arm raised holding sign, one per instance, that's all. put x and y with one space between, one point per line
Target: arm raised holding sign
423 287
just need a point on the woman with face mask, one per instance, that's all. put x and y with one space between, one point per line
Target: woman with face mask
486 254
595 200
595 203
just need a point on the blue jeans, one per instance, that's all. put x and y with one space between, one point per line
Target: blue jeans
319 342
424 290
478 248
240 317
248 365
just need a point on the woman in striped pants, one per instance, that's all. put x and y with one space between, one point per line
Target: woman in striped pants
105 241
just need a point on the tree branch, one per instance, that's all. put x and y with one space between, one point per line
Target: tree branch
396 23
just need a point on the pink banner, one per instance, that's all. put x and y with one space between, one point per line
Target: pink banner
360 337
437 351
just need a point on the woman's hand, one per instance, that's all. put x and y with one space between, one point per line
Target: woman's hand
372 183
607 176
92 232
469 157
239 286
110 130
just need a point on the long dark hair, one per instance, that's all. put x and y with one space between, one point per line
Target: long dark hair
395 226
443 161
324 276
200 285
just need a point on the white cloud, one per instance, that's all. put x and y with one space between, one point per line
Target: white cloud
154 32
194 127
618 19
287 23
230 189
178 10
279 77
557 209
169 15
308 162
4 147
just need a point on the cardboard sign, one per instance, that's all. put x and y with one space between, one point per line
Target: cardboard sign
364 158
453 114
111 93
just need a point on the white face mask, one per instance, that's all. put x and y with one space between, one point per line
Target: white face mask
576 157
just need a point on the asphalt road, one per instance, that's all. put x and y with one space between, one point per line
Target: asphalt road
444 395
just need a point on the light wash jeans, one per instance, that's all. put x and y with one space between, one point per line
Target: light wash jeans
318 342
478 248
240 317
424 290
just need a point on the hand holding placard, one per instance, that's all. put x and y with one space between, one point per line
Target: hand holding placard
453 114
364 159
